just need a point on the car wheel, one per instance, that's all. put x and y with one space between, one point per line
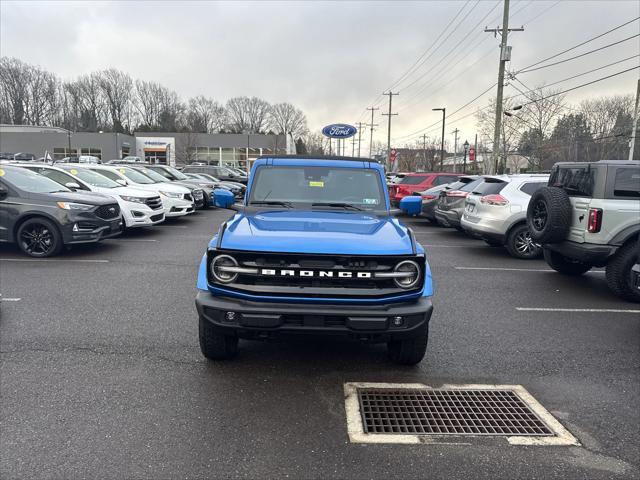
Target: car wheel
564 265
619 275
408 351
39 237
521 245
214 345
549 215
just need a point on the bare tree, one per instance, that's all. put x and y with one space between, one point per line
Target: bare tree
116 87
247 115
609 119
205 115
285 118
315 143
159 108
92 103
13 89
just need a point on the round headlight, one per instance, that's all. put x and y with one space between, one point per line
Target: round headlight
411 274
221 268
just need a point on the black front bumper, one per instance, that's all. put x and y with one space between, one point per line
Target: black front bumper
90 228
591 253
264 320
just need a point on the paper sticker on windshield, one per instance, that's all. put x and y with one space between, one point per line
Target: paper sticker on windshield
122 170
316 184
1 172
73 171
370 201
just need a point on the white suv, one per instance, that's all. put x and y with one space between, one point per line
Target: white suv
176 200
139 208
496 211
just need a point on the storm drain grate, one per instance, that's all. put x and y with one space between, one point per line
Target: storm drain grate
429 411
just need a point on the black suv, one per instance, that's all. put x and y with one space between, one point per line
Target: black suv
223 173
42 216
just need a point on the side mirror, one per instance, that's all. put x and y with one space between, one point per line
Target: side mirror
122 182
411 205
223 198
72 186
3 192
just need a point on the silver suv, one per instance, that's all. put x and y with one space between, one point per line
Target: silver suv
589 216
496 211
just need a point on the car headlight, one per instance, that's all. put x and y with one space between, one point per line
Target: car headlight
171 194
127 198
410 271
75 206
222 268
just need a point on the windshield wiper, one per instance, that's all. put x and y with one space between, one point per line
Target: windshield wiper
271 202
347 206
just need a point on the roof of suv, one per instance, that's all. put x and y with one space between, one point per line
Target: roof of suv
599 162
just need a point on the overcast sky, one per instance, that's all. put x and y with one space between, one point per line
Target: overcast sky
331 59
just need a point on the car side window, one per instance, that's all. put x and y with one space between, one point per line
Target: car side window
532 187
627 183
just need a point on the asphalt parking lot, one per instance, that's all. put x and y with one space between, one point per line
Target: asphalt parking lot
102 377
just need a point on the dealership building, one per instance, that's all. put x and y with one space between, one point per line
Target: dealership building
156 147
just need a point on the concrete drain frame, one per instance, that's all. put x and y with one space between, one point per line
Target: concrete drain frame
356 424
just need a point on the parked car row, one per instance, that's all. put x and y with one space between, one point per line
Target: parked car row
46 207
582 215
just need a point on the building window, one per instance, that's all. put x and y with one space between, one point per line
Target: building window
94 152
209 155
124 152
60 153
228 155
254 153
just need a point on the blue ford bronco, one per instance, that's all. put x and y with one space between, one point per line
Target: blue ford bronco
315 249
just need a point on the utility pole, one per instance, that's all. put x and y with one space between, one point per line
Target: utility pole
475 150
505 56
391 94
444 114
424 150
634 130
359 136
353 146
455 149
371 126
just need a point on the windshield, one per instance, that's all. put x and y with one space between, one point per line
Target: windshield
176 173
360 187
471 185
414 179
31 182
152 174
135 176
206 176
92 178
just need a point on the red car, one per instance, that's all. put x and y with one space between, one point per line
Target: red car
417 182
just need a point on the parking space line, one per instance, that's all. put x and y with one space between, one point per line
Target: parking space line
579 310
46 260
132 240
504 269
454 246
11 299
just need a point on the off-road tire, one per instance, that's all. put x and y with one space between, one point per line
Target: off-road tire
618 273
549 215
408 351
517 244
46 227
214 345
565 265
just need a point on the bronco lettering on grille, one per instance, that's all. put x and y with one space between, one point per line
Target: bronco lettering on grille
314 273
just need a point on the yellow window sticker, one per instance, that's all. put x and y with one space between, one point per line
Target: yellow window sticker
316 184
122 170
74 171
1 172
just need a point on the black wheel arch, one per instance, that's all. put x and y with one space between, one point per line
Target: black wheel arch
631 233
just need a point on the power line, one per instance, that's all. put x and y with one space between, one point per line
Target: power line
580 86
583 43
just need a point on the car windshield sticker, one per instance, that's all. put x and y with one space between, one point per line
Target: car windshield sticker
122 170
316 184
1 172
74 171
370 201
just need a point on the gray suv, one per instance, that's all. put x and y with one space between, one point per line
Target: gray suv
589 216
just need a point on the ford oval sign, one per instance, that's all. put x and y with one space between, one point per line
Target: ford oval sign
339 130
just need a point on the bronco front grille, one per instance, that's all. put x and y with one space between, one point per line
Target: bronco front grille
108 212
366 285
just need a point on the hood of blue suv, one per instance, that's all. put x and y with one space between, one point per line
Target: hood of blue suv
322 232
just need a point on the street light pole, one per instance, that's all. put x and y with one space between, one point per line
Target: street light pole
466 149
444 111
